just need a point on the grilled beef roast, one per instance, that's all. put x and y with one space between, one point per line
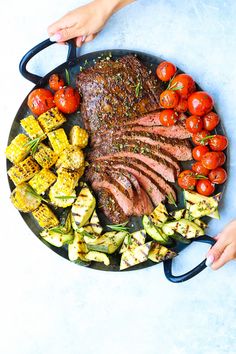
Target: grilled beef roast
133 158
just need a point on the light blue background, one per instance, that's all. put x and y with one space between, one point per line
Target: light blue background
48 305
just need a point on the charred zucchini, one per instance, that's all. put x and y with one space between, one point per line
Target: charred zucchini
56 237
77 250
108 242
199 205
83 207
159 215
133 240
159 253
98 257
184 227
153 231
93 225
137 255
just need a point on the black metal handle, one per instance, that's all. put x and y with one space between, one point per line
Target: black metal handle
35 50
191 273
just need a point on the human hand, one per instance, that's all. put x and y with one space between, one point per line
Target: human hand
84 22
224 249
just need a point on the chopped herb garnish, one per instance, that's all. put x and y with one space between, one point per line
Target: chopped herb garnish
138 88
200 177
171 199
83 232
129 239
33 144
31 191
65 196
59 229
67 76
119 227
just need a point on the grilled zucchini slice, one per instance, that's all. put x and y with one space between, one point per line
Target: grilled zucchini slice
93 226
45 156
137 255
24 171
18 149
200 223
77 250
32 127
57 239
23 200
184 227
72 158
159 253
108 242
52 119
133 240
98 257
199 205
45 217
42 180
159 215
83 207
58 140
180 214
153 231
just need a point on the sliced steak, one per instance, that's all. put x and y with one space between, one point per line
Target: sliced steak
142 204
123 181
148 120
110 207
115 91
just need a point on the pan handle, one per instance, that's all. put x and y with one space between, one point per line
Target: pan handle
35 50
191 273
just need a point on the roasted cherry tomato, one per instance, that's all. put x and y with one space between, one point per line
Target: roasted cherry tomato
199 151
182 106
165 71
218 142
199 169
200 103
205 187
194 124
184 85
210 121
67 99
218 175
211 160
221 157
200 138
169 99
56 82
40 100
168 117
187 179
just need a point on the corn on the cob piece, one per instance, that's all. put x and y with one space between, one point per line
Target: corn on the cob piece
45 156
24 171
52 119
60 199
45 216
58 140
23 200
18 149
78 136
71 157
42 180
32 127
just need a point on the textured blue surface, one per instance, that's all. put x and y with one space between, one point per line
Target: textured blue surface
51 306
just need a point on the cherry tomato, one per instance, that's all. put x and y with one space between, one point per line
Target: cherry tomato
56 82
218 142
168 117
199 169
218 175
182 106
199 151
205 187
194 124
184 84
67 99
200 103
187 179
221 157
40 100
165 71
211 160
210 121
200 138
169 99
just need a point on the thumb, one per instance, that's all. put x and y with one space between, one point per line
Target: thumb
64 34
215 252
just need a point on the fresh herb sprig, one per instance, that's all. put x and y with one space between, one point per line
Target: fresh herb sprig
59 229
31 191
67 76
171 199
65 196
138 88
33 144
119 227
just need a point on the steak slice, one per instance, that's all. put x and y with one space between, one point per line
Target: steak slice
123 181
142 204
148 120
115 91
110 207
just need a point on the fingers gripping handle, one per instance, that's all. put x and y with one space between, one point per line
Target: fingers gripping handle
35 50
191 273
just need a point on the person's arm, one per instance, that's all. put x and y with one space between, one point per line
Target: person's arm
83 23
224 249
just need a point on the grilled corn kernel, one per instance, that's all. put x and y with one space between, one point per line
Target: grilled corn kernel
58 140
18 149
72 158
45 216
78 137
32 127
42 180
23 200
52 119
45 156
24 171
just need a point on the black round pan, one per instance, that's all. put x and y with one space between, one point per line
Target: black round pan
73 64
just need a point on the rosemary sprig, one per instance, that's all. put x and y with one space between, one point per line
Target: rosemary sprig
138 88
171 199
67 76
84 232
129 240
200 177
33 144
59 229
65 196
119 227
31 191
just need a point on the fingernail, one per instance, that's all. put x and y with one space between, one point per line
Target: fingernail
83 38
56 37
209 260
